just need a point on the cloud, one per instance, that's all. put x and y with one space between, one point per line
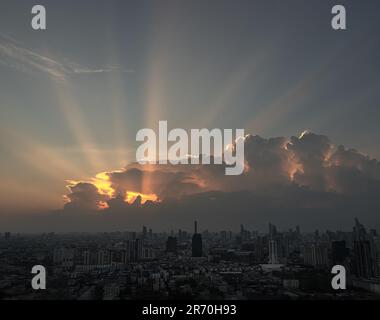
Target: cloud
286 179
16 56
311 153
84 196
309 160
353 173
303 180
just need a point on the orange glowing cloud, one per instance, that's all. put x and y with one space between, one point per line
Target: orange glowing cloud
104 188
131 196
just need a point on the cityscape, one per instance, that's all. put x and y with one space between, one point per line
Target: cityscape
192 265
178 153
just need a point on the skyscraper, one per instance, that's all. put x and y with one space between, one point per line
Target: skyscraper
339 252
273 253
144 232
316 255
171 245
365 264
272 231
196 244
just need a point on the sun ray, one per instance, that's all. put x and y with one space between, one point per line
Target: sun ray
40 157
74 119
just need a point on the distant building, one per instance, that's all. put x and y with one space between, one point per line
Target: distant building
134 250
111 291
171 245
365 261
339 252
316 255
104 257
90 257
144 232
272 231
363 264
117 257
298 230
259 249
291 283
196 245
273 252
7 235
64 257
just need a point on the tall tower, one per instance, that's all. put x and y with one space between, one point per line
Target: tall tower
196 244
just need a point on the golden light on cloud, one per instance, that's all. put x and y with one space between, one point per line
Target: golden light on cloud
130 197
103 183
295 168
103 205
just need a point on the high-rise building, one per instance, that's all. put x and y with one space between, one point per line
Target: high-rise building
298 230
117 256
171 245
196 244
365 261
272 231
339 252
363 265
316 255
139 249
64 257
86 257
259 248
273 252
144 232
134 250
104 257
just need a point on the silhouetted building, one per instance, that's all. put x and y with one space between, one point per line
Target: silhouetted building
339 252
196 243
272 231
171 245
144 232
134 250
363 265
316 255
365 262
104 257
273 252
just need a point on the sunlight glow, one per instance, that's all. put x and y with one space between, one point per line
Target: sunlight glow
130 197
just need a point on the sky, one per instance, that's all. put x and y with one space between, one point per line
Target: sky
72 98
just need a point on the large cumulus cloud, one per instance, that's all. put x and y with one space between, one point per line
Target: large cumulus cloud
282 177
84 196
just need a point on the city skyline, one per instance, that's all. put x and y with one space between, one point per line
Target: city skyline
144 265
